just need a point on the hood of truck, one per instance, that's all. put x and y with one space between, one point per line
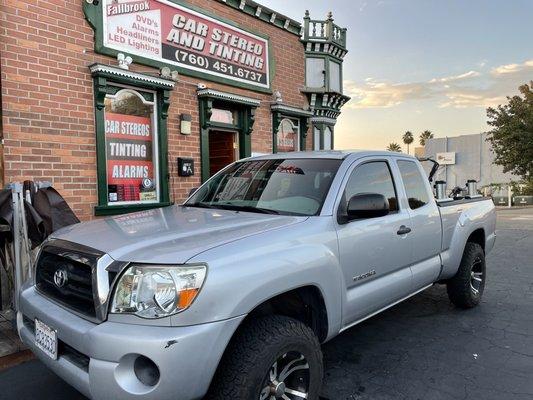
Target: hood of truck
170 235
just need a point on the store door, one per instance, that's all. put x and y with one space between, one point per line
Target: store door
223 149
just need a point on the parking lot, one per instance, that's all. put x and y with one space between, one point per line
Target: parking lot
423 348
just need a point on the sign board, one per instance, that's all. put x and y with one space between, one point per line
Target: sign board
129 155
446 158
170 33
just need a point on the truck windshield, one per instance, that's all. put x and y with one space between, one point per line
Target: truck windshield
280 186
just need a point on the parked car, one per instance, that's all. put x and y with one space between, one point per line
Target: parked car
230 295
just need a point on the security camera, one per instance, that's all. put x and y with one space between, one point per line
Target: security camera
202 86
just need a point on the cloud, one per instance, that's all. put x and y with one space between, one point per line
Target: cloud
512 68
469 89
469 74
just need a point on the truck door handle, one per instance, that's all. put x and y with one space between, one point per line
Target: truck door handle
403 230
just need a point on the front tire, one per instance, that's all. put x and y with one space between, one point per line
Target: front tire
466 288
272 357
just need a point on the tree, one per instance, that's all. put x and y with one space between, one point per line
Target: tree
408 138
424 136
394 147
512 133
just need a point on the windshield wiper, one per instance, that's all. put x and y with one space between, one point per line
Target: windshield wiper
249 208
201 205
234 207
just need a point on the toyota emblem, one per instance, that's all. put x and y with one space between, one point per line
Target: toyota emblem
61 277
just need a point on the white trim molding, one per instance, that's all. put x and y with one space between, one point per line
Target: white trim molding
323 120
98 68
284 109
229 97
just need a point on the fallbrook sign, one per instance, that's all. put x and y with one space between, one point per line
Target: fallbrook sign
164 33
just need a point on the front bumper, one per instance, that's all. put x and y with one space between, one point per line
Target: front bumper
97 359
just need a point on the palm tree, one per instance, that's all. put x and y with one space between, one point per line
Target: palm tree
394 147
424 136
408 139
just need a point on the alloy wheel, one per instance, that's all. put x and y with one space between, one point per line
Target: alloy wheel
476 276
287 379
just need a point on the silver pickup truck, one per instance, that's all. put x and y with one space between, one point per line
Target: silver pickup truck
230 295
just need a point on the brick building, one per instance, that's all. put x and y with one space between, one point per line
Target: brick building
127 105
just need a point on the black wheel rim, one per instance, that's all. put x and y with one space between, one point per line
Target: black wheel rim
477 276
287 379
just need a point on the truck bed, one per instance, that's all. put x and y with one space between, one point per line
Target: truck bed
459 219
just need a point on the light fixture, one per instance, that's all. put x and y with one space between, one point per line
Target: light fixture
123 61
185 125
277 97
165 72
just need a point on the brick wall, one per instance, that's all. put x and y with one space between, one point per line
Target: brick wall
46 47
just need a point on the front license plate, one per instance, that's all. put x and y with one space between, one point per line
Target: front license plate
46 339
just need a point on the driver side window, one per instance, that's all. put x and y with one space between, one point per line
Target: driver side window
373 177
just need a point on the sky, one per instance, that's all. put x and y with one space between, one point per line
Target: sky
424 64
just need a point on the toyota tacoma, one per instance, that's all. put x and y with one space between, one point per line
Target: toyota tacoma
230 295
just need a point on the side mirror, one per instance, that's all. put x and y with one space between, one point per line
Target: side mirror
192 191
367 205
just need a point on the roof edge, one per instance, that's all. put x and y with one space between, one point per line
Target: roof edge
266 14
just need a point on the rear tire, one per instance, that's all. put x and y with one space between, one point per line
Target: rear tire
466 288
270 357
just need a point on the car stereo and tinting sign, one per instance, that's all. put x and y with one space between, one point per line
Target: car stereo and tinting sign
164 31
129 154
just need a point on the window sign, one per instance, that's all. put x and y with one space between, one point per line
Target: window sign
288 137
162 31
223 116
131 149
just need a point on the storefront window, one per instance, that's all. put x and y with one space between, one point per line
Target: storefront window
131 148
288 137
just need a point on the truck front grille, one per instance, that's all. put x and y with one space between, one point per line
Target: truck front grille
67 281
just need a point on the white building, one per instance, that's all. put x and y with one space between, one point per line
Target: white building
468 157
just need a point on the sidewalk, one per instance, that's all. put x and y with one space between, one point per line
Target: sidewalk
12 351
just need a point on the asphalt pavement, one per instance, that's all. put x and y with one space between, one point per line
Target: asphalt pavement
422 349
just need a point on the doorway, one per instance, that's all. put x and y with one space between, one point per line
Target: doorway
223 149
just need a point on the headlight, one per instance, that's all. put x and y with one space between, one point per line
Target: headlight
156 291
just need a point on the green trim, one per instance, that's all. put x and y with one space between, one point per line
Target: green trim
244 128
277 117
119 210
266 14
228 97
322 54
104 83
321 128
93 15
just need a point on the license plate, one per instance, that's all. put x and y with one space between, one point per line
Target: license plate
46 339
